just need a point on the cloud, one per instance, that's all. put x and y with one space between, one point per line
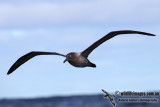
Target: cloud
36 14
6 35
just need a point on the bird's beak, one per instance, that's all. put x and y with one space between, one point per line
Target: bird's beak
64 60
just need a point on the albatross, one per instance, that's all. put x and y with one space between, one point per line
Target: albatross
74 58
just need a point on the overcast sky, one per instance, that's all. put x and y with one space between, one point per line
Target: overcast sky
124 63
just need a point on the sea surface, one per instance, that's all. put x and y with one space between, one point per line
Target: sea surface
73 101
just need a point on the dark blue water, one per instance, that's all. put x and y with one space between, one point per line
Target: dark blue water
71 101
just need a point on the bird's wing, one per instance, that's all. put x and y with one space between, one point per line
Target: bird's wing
87 51
104 91
28 56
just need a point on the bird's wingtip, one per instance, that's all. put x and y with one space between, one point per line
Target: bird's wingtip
103 90
8 73
153 35
149 34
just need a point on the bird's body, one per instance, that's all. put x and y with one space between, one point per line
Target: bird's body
76 59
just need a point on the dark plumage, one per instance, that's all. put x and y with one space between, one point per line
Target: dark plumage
75 59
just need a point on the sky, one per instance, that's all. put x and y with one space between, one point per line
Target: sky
124 63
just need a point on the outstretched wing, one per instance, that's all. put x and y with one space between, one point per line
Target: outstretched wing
28 56
87 51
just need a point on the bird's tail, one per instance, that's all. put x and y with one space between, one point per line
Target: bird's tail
92 65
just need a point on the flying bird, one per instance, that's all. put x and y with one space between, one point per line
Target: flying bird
74 58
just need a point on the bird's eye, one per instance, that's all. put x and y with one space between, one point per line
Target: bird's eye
70 55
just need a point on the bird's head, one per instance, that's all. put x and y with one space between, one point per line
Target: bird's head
69 57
